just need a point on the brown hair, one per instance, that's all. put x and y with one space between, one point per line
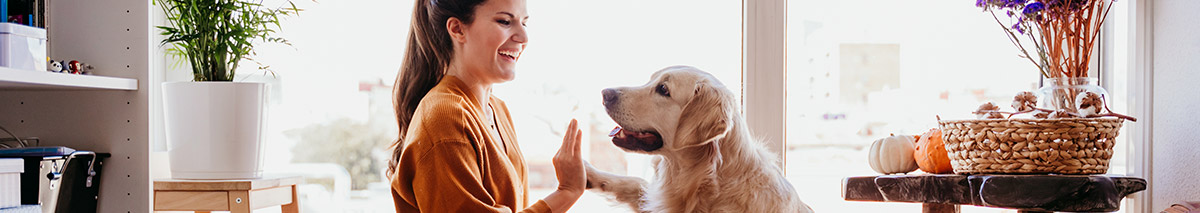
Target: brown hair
430 50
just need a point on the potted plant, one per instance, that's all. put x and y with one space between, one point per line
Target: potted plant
214 125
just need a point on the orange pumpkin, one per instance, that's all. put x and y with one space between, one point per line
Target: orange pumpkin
931 153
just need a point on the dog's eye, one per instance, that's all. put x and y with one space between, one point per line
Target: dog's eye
662 90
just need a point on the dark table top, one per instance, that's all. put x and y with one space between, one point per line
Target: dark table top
1069 193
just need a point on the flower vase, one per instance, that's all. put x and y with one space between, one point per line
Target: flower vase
1066 93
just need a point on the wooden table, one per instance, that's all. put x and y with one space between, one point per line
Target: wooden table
1026 193
236 196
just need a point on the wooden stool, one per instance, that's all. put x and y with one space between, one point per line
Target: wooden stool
236 196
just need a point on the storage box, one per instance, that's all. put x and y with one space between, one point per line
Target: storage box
22 47
60 179
10 181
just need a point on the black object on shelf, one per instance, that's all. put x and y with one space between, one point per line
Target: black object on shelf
80 190
60 179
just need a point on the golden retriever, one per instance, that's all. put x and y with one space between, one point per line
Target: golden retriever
706 159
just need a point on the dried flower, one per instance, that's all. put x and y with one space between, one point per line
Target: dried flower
988 110
1089 104
1057 36
1064 113
1033 8
1024 102
1017 27
1042 115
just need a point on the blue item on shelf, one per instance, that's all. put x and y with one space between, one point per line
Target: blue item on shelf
41 151
23 209
3 11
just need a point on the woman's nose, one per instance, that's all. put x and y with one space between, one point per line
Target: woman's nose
520 36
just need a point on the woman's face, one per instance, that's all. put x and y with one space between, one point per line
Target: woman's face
491 45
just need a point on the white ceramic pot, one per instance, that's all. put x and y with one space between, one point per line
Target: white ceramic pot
214 129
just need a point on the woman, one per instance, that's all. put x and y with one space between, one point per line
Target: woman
457 150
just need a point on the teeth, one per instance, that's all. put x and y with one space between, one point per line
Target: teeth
509 53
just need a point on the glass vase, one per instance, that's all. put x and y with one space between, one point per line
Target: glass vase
1065 93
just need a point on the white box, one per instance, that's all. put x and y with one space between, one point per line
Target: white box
10 181
22 47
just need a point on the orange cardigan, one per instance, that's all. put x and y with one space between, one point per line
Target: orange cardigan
450 162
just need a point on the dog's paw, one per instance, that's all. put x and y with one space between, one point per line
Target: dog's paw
594 177
597 185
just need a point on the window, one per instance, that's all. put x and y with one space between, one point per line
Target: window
861 70
330 114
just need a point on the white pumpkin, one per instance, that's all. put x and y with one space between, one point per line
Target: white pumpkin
893 154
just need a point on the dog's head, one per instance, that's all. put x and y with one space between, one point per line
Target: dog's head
680 107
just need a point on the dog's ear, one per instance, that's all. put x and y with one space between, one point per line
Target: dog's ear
705 118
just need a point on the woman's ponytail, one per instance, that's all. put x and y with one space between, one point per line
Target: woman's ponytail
426 57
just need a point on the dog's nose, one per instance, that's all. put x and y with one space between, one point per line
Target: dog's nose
610 96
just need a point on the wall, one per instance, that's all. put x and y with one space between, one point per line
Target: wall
1176 64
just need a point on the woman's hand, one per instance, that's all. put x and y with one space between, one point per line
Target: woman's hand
568 163
568 166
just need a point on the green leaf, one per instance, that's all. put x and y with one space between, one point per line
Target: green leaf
215 35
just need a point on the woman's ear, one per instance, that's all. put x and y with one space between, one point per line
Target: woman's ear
457 30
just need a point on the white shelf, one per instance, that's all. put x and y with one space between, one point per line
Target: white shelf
14 79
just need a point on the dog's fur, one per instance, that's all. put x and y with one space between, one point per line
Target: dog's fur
707 162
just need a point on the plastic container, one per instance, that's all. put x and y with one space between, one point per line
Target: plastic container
10 181
22 47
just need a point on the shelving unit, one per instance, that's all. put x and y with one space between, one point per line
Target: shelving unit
13 79
108 112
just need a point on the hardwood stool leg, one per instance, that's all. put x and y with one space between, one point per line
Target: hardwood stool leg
939 208
239 202
293 207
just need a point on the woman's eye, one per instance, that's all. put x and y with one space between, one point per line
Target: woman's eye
503 22
662 90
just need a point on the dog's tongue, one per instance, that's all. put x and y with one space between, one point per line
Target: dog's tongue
622 133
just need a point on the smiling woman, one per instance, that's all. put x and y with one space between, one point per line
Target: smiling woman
456 151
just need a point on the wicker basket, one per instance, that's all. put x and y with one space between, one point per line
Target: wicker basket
1030 146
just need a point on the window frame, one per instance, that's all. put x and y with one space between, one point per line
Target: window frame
764 72
1140 79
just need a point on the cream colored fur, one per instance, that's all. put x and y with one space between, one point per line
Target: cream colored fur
708 162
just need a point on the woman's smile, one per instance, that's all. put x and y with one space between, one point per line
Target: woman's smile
509 55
